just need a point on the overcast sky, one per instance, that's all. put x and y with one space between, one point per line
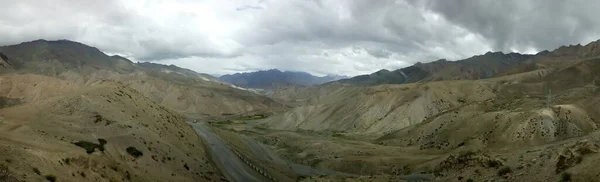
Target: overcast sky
346 37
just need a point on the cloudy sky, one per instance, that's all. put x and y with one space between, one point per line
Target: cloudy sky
346 37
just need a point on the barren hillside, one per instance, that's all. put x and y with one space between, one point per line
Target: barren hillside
104 132
187 92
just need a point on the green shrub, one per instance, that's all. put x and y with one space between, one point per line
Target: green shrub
566 177
504 170
36 171
134 152
337 135
102 143
51 178
88 146
254 117
493 163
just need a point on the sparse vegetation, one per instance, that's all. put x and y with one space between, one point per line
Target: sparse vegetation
565 177
504 171
50 178
337 135
6 175
254 117
88 146
101 142
134 152
67 161
493 163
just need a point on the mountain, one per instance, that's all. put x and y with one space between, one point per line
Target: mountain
185 91
476 67
69 112
425 90
473 118
272 78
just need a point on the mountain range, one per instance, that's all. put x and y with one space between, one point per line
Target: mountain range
273 78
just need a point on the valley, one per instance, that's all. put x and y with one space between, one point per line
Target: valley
94 117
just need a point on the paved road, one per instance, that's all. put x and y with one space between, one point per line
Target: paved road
231 166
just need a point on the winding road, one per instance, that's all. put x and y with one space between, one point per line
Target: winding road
232 167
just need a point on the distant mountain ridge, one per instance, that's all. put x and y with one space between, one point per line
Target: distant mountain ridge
271 78
491 64
476 67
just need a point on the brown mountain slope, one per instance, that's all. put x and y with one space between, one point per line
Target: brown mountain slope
184 91
504 111
476 67
4 64
39 136
540 125
198 98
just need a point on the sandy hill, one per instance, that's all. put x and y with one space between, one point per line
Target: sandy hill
103 132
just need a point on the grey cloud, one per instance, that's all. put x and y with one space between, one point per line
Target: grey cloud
517 24
379 53
318 36
248 7
104 24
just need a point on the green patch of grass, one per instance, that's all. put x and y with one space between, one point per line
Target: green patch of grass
134 152
50 178
254 117
337 135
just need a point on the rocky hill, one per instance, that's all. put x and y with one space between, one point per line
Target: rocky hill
273 78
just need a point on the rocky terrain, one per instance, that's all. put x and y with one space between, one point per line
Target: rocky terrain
69 112
535 114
